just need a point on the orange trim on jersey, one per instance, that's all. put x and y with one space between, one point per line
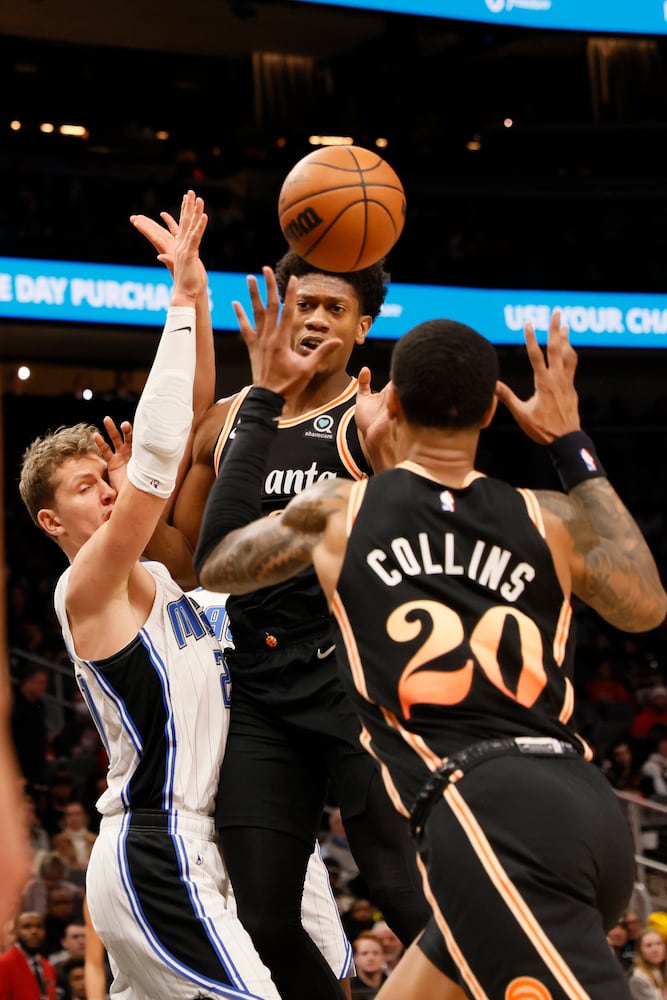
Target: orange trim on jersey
511 896
346 456
471 981
354 501
367 743
350 645
534 510
567 708
562 632
226 428
345 394
416 743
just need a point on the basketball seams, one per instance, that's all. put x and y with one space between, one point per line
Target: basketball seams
331 225
287 207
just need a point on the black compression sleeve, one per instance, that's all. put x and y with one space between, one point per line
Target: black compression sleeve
235 499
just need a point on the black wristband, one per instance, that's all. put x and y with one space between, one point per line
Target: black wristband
575 459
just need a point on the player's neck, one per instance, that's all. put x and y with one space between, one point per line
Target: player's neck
448 458
320 390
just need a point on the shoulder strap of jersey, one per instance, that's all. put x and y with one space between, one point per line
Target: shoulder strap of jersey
226 428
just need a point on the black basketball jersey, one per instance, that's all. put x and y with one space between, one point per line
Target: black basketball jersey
453 627
323 443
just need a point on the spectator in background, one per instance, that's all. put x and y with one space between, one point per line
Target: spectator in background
621 770
75 978
73 946
369 962
652 717
24 973
634 925
62 908
360 917
605 688
75 842
391 944
654 770
28 724
38 838
60 793
52 875
648 978
617 936
657 921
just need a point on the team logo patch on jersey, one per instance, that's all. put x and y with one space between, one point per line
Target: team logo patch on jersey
322 426
447 501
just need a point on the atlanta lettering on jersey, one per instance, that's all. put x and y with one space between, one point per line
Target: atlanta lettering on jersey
489 565
292 481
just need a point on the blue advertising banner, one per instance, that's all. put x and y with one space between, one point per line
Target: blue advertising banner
64 291
625 16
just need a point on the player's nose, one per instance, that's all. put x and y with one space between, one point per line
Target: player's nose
318 320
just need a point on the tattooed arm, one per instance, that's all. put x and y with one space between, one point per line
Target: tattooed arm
598 549
273 549
595 540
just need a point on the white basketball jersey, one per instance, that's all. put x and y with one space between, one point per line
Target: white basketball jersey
160 705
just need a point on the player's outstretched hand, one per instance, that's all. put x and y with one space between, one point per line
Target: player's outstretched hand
276 364
163 238
373 423
117 450
553 409
189 272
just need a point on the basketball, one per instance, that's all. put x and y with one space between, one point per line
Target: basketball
342 208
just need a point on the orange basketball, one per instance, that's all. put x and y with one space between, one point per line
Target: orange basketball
342 208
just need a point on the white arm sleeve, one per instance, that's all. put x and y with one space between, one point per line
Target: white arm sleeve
164 412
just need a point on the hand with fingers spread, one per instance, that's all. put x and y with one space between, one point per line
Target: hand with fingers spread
275 364
163 238
553 409
117 453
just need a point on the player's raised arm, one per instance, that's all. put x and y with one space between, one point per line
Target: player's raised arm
595 538
161 427
175 534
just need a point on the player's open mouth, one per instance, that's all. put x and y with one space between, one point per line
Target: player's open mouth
310 343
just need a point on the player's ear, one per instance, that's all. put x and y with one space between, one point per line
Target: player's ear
49 522
490 413
393 403
365 324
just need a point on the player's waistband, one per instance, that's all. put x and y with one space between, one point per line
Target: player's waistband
171 821
456 767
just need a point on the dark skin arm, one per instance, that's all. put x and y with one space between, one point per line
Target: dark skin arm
599 551
273 549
